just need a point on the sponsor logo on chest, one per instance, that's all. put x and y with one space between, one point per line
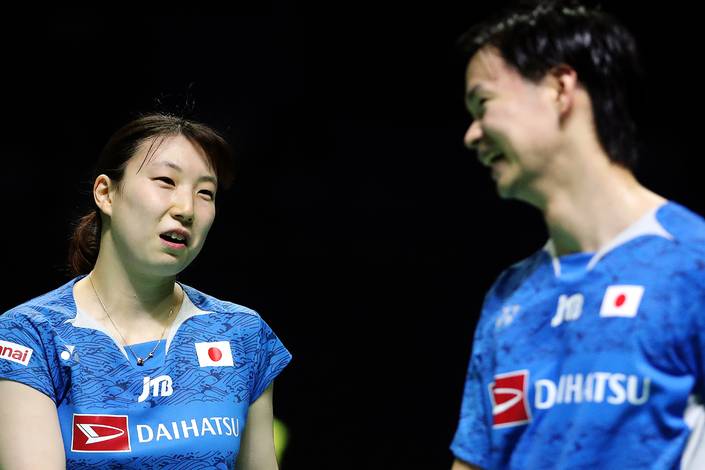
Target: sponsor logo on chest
111 433
569 308
157 387
187 429
100 433
510 406
510 400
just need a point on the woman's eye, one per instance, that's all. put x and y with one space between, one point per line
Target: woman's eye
166 180
210 194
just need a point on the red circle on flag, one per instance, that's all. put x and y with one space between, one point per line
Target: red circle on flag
619 301
214 354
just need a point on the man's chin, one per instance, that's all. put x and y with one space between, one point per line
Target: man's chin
506 190
518 190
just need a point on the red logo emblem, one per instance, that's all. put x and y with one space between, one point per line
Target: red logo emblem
510 406
100 433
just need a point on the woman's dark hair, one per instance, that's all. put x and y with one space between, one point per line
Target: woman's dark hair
536 37
121 147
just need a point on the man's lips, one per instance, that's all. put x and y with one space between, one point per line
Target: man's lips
491 157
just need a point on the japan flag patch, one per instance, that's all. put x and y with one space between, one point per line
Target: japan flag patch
621 301
217 353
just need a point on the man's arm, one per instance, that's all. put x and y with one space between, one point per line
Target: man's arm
257 445
30 435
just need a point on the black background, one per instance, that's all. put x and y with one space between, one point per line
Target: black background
359 226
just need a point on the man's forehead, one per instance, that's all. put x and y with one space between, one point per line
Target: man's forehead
486 66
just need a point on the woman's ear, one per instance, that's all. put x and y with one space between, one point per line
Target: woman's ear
103 194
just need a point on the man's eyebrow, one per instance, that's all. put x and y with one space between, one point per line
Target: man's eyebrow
176 167
471 94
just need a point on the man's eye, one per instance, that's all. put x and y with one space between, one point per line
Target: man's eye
208 193
477 108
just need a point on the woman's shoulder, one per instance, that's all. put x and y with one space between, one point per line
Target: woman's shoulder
211 304
53 307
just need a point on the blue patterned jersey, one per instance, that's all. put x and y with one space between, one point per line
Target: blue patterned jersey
185 408
593 360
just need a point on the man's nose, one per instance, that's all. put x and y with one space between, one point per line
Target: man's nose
473 135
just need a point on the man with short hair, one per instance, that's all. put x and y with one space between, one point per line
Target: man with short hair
590 352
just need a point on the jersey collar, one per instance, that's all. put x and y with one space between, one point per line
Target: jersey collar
188 309
646 225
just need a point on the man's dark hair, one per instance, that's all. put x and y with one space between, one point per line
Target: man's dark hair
534 38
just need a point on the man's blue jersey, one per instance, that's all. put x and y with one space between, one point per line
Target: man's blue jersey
593 360
184 408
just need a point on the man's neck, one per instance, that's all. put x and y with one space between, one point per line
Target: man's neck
587 214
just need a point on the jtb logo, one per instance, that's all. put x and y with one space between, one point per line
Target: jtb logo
508 395
100 433
569 309
161 386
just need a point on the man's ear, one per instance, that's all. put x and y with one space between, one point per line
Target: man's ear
103 189
565 80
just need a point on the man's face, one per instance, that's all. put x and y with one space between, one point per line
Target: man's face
516 122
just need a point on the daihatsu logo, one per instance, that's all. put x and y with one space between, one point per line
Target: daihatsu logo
91 431
100 433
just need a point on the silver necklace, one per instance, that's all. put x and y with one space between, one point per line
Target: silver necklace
140 360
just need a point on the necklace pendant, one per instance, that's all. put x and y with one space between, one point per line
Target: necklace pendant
140 361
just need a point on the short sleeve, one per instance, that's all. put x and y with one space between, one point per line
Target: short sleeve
472 440
691 352
270 359
23 357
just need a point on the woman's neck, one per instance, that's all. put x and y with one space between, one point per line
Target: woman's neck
130 295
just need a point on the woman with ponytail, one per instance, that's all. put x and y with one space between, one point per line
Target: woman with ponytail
123 366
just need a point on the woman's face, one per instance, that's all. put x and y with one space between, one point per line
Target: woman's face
163 211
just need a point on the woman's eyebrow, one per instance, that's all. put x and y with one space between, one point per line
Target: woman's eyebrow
176 167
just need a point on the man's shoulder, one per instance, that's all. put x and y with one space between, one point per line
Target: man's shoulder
686 227
668 259
520 272
686 248
670 239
